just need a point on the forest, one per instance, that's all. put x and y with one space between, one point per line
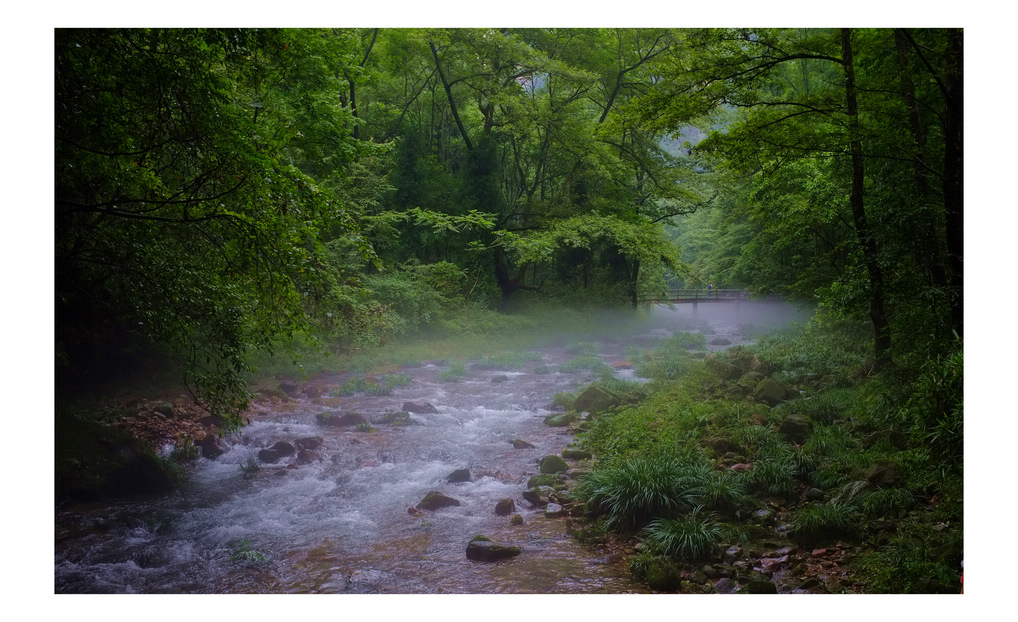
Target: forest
230 203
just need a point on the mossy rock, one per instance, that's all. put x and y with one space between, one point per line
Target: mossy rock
661 575
560 420
596 399
751 379
505 507
483 549
435 500
553 464
770 392
721 369
576 454
517 519
94 461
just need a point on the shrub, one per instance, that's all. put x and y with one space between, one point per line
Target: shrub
688 538
634 492
821 521
455 371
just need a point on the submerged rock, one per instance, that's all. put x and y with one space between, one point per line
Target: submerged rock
457 476
341 420
277 452
211 446
423 407
521 444
435 500
482 549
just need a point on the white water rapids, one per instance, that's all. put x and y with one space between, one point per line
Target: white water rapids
341 523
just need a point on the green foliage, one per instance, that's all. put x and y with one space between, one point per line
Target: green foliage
634 492
917 560
689 538
454 371
818 522
507 360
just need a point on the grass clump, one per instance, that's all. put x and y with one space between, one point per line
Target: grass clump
587 362
455 370
630 494
507 360
819 522
688 538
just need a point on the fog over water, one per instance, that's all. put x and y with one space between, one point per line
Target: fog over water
341 523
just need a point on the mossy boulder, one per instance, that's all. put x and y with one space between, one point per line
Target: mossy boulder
770 392
505 507
795 428
720 368
560 420
94 461
596 399
576 454
553 464
435 500
483 549
751 379
884 474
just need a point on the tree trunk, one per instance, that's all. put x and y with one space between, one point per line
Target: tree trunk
953 172
882 336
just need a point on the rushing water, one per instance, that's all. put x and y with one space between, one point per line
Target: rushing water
340 524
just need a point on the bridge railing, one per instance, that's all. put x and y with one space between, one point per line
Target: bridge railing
697 295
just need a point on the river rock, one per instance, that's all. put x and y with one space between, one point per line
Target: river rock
309 443
311 391
759 365
482 549
795 428
539 495
277 452
770 392
761 587
164 409
458 476
290 388
751 379
307 456
554 510
720 341
435 500
576 454
521 444
720 368
517 519
883 474
596 399
211 446
340 420
499 379
560 420
423 407
505 507
553 464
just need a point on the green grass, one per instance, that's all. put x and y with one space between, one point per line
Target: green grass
689 538
507 360
456 370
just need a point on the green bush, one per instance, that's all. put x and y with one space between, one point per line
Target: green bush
822 521
455 371
632 493
688 538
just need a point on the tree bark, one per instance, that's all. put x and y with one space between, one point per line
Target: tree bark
448 94
882 336
953 172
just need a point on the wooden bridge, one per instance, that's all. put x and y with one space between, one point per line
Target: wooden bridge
694 296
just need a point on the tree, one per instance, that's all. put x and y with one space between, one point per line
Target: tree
181 219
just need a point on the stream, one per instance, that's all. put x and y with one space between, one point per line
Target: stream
340 522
